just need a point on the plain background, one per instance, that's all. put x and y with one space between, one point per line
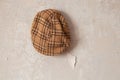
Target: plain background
95 30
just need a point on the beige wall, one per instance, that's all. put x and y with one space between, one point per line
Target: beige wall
95 27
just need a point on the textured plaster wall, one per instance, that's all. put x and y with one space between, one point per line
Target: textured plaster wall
95 30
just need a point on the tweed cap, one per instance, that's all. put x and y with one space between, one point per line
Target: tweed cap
50 33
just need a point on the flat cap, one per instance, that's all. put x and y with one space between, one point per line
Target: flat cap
50 33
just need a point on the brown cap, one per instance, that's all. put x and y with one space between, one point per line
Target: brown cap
50 33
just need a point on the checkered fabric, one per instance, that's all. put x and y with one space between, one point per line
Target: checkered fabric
50 33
